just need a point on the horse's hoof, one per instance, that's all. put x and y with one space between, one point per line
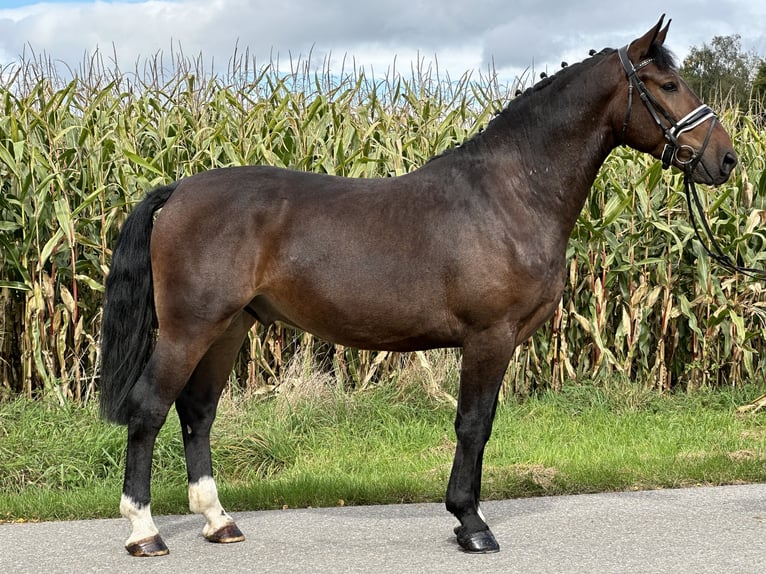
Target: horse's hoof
226 535
152 546
482 542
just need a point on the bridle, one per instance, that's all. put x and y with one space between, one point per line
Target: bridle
670 128
685 156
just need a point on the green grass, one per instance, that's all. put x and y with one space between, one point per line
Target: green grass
386 445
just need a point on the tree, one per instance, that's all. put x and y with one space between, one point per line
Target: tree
759 88
721 70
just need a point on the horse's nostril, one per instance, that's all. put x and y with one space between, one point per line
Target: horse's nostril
728 163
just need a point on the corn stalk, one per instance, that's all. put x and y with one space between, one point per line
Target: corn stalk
642 301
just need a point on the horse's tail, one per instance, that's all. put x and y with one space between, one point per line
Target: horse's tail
129 316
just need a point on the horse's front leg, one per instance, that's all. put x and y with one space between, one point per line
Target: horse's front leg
485 359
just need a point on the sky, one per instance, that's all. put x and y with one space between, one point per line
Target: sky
515 38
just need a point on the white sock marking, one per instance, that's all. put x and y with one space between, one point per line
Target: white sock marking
203 499
140 518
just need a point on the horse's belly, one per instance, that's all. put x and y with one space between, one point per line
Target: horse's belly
366 322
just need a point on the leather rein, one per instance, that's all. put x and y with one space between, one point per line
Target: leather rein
684 155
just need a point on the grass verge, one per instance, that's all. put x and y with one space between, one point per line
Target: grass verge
385 445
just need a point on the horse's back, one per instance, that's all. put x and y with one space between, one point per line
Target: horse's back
391 263
351 260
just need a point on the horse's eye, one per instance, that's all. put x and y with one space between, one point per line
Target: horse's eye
670 87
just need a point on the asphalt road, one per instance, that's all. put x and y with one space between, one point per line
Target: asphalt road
697 530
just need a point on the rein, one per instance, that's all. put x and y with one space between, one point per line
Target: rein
716 253
684 155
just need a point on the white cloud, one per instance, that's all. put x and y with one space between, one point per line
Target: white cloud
462 35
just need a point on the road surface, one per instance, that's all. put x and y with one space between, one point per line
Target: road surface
697 530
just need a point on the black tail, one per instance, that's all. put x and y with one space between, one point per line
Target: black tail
128 321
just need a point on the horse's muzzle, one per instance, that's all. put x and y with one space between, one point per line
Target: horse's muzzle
728 163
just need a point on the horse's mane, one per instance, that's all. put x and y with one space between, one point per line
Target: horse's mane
662 57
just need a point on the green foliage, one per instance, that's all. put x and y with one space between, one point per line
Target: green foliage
721 70
384 446
759 87
643 302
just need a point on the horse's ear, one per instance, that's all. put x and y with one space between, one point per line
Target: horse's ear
662 34
639 48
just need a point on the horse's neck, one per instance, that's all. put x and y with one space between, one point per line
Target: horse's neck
551 154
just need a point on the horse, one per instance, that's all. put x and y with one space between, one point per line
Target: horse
468 251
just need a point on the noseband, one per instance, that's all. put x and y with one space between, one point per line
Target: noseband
686 156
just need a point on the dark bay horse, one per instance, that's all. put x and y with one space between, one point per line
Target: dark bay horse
468 251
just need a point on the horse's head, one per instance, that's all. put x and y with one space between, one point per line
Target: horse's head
665 118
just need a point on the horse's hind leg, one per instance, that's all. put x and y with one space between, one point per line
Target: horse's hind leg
147 418
150 400
196 407
167 372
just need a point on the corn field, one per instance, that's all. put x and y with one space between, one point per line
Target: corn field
643 301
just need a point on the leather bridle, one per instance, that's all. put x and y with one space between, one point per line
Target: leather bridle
685 156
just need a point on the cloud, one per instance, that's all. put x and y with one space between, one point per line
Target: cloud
461 35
